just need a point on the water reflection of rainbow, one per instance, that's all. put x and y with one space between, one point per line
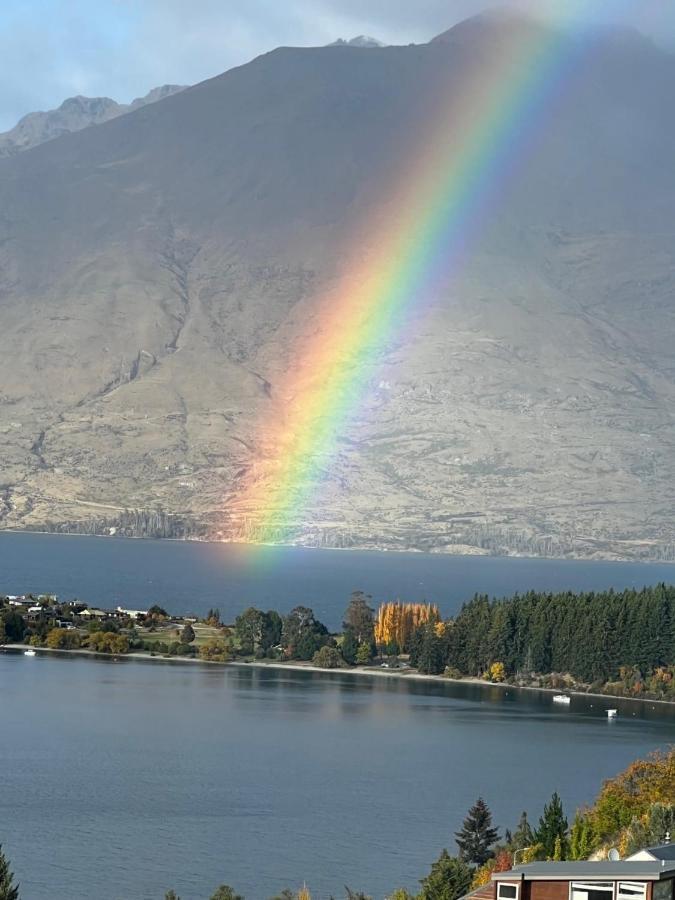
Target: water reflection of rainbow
478 128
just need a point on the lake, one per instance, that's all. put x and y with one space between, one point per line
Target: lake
121 780
191 577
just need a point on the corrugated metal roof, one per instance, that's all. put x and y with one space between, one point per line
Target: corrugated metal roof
598 871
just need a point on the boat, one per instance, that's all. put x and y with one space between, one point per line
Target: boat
29 653
611 713
562 698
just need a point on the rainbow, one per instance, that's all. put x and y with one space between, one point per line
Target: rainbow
436 204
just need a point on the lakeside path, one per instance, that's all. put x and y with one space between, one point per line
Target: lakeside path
367 671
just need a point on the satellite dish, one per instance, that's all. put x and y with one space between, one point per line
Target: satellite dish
614 855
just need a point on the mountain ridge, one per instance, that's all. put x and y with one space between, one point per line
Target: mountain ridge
74 114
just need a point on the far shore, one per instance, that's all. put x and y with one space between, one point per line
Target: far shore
446 550
407 674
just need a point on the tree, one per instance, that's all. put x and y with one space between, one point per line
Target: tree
364 654
400 894
63 639
171 895
356 895
214 650
271 636
249 628
449 879
497 672
477 835
156 613
2 631
523 836
328 658
302 634
552 826
429 656
225 892
14 626
187 635
8 890
349 647
582 838
359 618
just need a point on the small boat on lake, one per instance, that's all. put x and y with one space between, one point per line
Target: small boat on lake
562 698
29 653
611 713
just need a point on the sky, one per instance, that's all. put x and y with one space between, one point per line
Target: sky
53 49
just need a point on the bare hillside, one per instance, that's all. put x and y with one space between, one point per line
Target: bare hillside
157 272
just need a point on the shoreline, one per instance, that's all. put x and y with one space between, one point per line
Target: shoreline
469 552
15 649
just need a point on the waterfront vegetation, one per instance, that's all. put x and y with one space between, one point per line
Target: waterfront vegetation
633 810
619 643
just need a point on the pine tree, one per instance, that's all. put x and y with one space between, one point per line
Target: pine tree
449 879
8 891
552 825
477 834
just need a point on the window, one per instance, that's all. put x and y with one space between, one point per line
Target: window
663 890
507 891
631 890
591 890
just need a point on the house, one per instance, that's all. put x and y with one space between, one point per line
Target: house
663 852
90 613
131 613
628 879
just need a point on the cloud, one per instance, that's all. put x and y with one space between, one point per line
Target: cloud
52 49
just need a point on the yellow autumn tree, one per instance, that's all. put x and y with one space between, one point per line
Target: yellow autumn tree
397 621
497 671
304 894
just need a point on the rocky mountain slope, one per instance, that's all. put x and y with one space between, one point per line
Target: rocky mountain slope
74 114
158 271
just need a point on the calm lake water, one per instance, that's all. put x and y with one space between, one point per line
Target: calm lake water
121 780
191 577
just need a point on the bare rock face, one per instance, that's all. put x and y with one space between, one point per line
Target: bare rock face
74 114
158 273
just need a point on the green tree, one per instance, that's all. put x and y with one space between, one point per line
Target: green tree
449 879
249 628
360 618
552 826
401 894
187 635
582 837
349 647
328 658
302 634
272 626
477 835
364 654
2 631
14 626
8 890
225 892
523 836
171 895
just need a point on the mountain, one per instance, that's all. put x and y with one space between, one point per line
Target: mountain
158 273
74 114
